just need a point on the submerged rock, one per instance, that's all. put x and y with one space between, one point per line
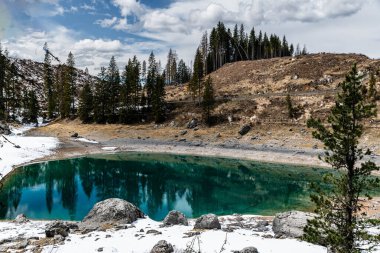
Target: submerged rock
208 221
162 247
111 211
291 224
175 218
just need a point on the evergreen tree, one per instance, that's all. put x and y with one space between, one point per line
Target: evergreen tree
158 99
113 89
195 85
183 74
86 102
48 83
2 84
71 76
372 91
151 78
31 107
342 225
208 101
101 98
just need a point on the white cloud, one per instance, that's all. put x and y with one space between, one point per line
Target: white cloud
108 22
88 7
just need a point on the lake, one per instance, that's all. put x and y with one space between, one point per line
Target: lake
157 183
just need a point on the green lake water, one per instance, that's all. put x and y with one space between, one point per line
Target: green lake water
157 183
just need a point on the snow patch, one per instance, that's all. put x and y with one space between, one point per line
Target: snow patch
109 148
86 140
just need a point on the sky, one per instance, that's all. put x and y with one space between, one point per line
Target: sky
95 30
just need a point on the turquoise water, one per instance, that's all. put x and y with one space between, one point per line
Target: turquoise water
157 183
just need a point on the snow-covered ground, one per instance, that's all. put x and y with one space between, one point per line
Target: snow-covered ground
136 239
16 149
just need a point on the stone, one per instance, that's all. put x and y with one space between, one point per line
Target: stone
57 228
192 124
21 218
244 130
75 135
247 250
208 221
218 135
153 231
111 211
4 129
162 247
175 218
291 224
183 132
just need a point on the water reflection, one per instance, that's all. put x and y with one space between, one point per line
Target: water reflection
68 189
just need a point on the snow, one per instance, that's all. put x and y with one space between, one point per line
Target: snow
109 148
30 148
86 140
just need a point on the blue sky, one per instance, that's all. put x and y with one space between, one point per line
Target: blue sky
94 30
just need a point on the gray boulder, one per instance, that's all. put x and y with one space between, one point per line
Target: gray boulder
208 221
244 130
4 129
247 250
162 247
111 211
291 224
192 124
175 218
57 228
21 218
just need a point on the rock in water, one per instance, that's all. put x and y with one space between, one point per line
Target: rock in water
192 124
175 218
244 130
111 211
247 250
208 221
291 224
162 247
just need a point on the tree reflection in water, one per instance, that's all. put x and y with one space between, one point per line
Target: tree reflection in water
157 183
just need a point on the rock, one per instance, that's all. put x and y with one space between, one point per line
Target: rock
244 130
75 135
175 218
21 218
208 221
291 224
315 146
192 124
218 135
162 247
57 228
4 129
247 250
183 132
153 231
111 211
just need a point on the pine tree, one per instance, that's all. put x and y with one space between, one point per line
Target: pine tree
208 101
158 99
113 89
342 225
195 85
151 78
71 76
31 107
2 84
48 83
86 102
372 91
101 97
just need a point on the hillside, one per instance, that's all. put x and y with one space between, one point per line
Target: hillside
252 91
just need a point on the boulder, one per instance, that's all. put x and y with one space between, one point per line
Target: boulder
244 130
111 211
57 228
192 124
183 132
208 221
4 129
247 250
175 218
21 218
75 135
162 247
291 224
